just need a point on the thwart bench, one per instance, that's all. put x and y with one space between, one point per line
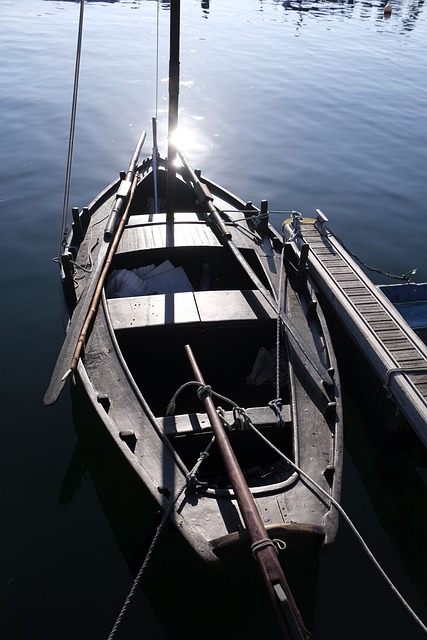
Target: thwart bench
188 307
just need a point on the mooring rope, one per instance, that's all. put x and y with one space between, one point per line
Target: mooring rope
189 481
349 522
406 277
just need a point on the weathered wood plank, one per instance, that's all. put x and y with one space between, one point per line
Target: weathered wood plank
160 236
199 422
232 305
187 307
141 311
372 322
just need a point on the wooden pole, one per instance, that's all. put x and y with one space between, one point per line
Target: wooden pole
173 107
264 550
205 199
81 342
86 307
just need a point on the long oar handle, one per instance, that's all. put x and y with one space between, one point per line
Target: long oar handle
263 548
74 340
205 198
98 291
124 189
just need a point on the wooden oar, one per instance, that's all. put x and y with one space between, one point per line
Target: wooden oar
205 198
124 189
263 548
87 305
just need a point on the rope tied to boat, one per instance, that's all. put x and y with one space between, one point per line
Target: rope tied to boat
207 389
167 514
276 406
297 218
321 494
241 419
193 483
64 224
263 543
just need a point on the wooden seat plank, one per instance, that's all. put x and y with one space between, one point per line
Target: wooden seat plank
232 305
186 307
199 422
142 311
160 236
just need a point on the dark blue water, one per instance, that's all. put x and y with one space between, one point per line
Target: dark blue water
314 106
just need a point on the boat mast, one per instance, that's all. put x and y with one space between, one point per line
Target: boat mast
173 106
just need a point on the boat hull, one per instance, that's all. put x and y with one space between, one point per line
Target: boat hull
134 362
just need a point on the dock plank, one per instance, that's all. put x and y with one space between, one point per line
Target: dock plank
390 345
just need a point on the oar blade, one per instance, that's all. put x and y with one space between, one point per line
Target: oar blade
80 314
65 356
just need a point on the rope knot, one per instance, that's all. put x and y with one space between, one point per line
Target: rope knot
241 419
204 389
221 414
191 480
263 543
296 225
276 406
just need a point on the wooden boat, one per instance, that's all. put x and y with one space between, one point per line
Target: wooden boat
206 356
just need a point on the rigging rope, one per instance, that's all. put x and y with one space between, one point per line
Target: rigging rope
72 130
349 522
248 424
278 326
190 482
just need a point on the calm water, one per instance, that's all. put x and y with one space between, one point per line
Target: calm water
317 107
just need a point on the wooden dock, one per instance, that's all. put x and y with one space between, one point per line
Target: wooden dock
396 354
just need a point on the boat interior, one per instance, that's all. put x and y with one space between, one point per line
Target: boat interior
234 344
